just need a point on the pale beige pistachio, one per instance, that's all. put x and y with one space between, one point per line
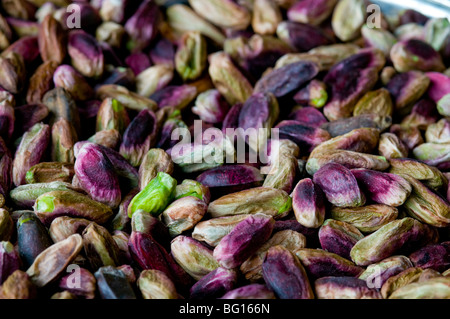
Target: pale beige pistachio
410 31
362 140
289 239
427 206
107 138
384 269
391 146
190 58
387 74
154 284
30 151
438 132
344 288
339 51
348 18
379 38
325 62
266 17
100 247
13 72
446 273
111 33
156 160
121 238
402 279
227 79
129 99
347 158
283 148
18 286
183 214
367 218
429 175
153 78
196 259
5 33
63 227
64 138
435 288
50 263
63 295
223 13
387 240
270 201
178 14
211 231
375 102
282 173
428 274
6 225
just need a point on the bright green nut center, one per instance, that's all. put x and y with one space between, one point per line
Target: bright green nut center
155 197
29 176
45 204
286 206
319 102
116 106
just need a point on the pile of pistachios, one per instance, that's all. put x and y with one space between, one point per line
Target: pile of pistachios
119 180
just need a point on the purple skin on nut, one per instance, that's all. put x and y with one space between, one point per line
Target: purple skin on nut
309 116
287 79
245 238
305 136
215 284
339 185
436 257
336 241
231 177
97 176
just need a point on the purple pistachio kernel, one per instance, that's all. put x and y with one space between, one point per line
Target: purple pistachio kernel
9 260
142 26
350 79
319 263
245 238
285 275
339 237
309 116
287 79
439 85
97 176
339 185
302 37
138 62
311 11
231 178
308 203
138 137
436 257
163 52
383 188
215 284
252 291
86 54
176 96
305 136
